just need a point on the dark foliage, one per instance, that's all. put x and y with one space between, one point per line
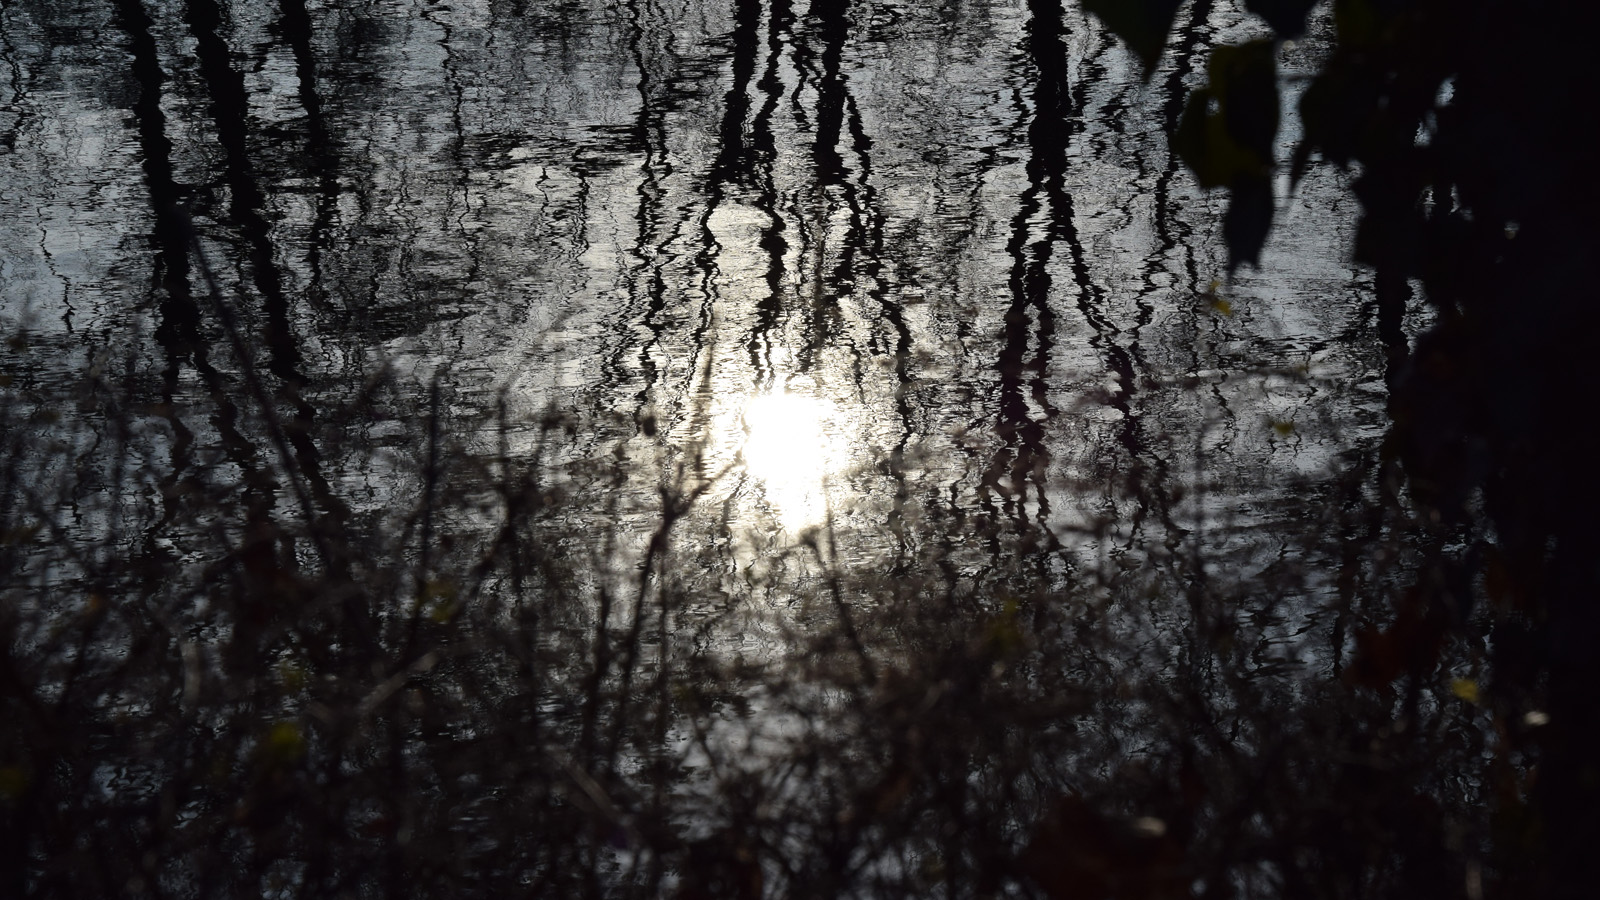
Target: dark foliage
1477 182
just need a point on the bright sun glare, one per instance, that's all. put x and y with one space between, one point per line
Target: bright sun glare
787 451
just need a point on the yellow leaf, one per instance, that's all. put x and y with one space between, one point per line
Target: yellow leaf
1465 688
292 675
13 781
439 589
285 743
20 534
1003 636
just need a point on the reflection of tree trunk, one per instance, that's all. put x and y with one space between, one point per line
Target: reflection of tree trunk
178 330
834 26
1193 40
649 136
229 112
1024 458
724 169
321 158
861 255
763 154
295 23
861 260
18 103
731 156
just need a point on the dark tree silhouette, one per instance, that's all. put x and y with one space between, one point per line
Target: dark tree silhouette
1476 176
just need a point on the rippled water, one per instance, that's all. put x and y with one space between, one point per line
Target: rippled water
913 275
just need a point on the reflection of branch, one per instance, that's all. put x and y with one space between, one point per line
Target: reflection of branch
395 682
275 429
832 565
673 508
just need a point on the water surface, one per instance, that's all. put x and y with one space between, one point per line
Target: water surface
916 275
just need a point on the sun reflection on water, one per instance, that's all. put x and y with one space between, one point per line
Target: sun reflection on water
786 449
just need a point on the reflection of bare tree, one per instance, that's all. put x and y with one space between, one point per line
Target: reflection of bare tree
17 102
511 269
179 328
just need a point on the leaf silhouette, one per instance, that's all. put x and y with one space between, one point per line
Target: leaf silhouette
1142 24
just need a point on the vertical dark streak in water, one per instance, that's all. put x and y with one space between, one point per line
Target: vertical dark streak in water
653 253
322 154
731 157
1183 56
823 311
19 105
178 328
731 160
1170 230
66 283
229 108
807 74
995 155
462 165
865 242
23 108
353 74
294 24
651 134
356 302
648 133
1057 104
322 166
580 218
861 254
1392 293
1172 234
990 158
1024 457
406 252
229 111
833 25
770 307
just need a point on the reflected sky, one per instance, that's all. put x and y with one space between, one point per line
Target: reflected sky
908 262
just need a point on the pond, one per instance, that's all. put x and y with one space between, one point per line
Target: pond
772 298
957 241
